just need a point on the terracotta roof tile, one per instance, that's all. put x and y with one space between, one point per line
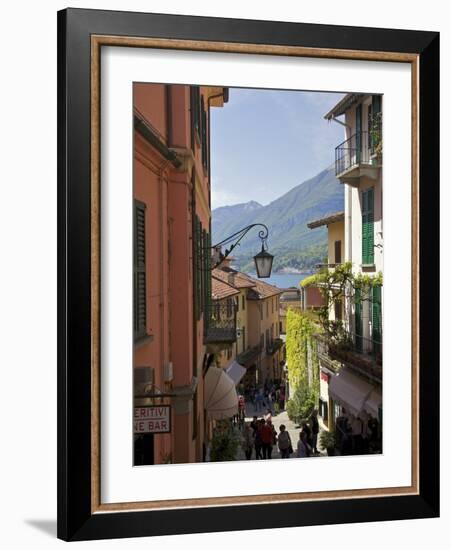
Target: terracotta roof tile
221 290
263 290
234 278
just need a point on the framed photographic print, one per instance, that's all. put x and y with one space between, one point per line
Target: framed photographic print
248 274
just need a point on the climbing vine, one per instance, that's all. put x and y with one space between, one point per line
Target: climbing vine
340 284
302 362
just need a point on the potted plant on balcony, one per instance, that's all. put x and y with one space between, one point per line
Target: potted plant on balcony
327 441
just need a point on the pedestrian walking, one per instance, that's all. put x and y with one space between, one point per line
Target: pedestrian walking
284 442
315 430
304 450
248 440
282 399
241 410
258 442
268 415
267 435
305 428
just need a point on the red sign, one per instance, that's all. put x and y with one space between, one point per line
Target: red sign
152 419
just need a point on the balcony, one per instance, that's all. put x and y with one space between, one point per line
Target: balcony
274 346
363 355
360 155
250 356
220 323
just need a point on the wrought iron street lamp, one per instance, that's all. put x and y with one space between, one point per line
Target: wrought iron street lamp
263 260
263 263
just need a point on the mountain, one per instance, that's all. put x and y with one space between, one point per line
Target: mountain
225 217
293 244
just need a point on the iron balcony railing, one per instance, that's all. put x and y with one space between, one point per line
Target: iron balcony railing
249 356
273 346
359 149
220 323
360 354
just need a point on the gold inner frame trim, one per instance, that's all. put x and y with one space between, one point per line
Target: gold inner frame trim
97 41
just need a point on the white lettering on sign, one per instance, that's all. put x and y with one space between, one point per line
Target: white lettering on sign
154 419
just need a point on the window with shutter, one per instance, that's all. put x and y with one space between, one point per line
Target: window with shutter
358 320
195 110
198 266
139 272
377 319
368 226
338 252
338 308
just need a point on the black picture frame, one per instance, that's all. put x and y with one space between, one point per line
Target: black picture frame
75 518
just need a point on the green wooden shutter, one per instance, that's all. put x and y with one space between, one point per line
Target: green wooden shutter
208 269
368 226
139 271
376 104
198 267
195 108
377 319
358 319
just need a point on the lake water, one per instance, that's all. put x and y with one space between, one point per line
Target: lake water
284 280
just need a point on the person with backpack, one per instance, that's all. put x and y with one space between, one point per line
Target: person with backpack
284 442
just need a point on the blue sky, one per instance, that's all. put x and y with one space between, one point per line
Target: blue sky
265 142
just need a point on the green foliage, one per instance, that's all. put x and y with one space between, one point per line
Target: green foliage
340 283
303 364
293 244
304 258
327 440
301 405
224 443
310 281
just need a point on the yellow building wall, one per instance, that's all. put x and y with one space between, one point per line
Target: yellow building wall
336 232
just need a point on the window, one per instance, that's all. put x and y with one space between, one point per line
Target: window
197 266
337 252
229 308
377 319
202 262
243 302
338 306
267 309
368 226
358 320
139 271
195 111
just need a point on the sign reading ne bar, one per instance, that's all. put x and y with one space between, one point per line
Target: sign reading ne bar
152 419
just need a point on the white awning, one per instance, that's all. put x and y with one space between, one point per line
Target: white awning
221 399
349 391
373 403
236 371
